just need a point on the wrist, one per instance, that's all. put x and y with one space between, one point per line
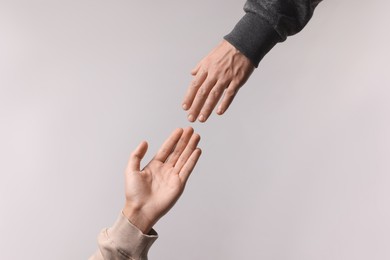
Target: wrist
138 219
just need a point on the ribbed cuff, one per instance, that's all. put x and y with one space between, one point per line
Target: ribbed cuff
254 37
129 239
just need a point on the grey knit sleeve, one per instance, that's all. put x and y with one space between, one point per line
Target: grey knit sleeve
268 22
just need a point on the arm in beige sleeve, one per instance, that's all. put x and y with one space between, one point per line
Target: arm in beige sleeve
124 241
150 193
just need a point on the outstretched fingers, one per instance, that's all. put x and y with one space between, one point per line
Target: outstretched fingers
136 156
213 97
228 97
180 146
195 84
200 99
189 149
168 146
186 171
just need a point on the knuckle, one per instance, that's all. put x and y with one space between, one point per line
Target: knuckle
202 92
194 83
230 93
225 81
212 79
236 82
215 94
164 151
228 74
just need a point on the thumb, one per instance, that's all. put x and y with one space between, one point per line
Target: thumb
136 156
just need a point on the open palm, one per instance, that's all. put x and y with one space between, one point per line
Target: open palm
152 191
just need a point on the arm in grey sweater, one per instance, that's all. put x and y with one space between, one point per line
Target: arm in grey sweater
268 22
221 74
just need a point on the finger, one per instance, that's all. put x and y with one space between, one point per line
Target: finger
228 97
195 70
192 144
190 164
211 101
195 84
180 146
168 145
136 156
200 98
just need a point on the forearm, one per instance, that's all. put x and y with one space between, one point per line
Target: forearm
123 241
268 22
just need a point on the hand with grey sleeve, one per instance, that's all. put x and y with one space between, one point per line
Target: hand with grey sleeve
219 75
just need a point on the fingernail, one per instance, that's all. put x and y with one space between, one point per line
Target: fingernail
202 118
219 111
185 107
191 118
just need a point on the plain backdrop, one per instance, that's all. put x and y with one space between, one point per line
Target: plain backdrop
297 169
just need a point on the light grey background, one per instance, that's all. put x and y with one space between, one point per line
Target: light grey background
297 169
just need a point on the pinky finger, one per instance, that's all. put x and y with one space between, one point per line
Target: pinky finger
190 165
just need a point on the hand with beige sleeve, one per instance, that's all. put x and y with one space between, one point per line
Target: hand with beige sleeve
150 193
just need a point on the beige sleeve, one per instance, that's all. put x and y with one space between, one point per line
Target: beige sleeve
123 241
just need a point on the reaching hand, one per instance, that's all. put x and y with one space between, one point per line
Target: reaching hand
225 69
152 192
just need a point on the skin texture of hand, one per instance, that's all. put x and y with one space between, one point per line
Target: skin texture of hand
152 191
221 72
